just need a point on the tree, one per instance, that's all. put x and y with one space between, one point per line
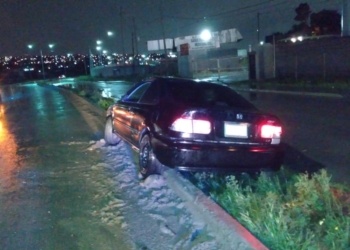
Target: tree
326 22
303 12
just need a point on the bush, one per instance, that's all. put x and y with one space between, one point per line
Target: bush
105 102
288 212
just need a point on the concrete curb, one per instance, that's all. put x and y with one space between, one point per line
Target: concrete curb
228 229
331 95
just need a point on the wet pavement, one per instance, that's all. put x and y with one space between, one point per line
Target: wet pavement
47 185
61 187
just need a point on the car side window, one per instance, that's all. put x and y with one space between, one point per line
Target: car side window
151 95
135 95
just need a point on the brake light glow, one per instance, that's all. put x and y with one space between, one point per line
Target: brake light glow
191 126
271 131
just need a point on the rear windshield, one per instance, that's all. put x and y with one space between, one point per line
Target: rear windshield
207 94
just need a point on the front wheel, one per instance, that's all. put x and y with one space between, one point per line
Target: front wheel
110 137
148 163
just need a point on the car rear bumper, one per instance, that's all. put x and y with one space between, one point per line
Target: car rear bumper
220 158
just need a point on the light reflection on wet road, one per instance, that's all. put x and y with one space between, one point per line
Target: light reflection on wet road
46 181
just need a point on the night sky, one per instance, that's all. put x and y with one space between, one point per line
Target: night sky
75 25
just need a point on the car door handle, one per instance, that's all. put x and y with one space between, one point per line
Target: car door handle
130 110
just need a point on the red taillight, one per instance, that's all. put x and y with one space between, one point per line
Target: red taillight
271 132
191 126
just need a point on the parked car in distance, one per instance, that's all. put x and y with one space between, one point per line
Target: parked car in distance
194 126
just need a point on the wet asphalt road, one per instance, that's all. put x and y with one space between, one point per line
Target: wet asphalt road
49 180
316 130
47 188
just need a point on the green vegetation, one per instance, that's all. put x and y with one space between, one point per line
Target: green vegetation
286 210
105 102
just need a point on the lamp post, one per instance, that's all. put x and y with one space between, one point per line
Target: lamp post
42 64
30 46
99 49
51 46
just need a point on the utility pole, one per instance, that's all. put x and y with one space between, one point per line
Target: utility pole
133 52
135 36
42 64
258 27
346 18
163 33
122 31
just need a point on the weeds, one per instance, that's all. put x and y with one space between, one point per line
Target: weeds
284 210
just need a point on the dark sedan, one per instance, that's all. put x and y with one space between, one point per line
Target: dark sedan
194 126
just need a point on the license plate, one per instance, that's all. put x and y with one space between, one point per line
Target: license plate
238 130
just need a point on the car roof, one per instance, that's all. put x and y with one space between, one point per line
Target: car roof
183 80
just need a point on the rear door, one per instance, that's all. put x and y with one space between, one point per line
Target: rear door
124 112
145 112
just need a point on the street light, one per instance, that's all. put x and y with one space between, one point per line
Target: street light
99 48
31 46
51 46
205 35
110 33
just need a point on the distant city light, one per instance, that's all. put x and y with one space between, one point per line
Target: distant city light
293 39
300 38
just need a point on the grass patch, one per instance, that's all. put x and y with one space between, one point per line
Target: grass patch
104 102
285 210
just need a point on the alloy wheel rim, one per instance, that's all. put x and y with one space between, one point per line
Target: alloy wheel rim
144 159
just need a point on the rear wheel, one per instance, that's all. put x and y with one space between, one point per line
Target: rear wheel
148 163
110 137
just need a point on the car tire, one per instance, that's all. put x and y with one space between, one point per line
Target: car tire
148 163
110 137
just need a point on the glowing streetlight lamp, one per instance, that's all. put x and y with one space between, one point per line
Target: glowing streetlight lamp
205 35
110 33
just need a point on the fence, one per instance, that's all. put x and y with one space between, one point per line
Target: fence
237 67
321 59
